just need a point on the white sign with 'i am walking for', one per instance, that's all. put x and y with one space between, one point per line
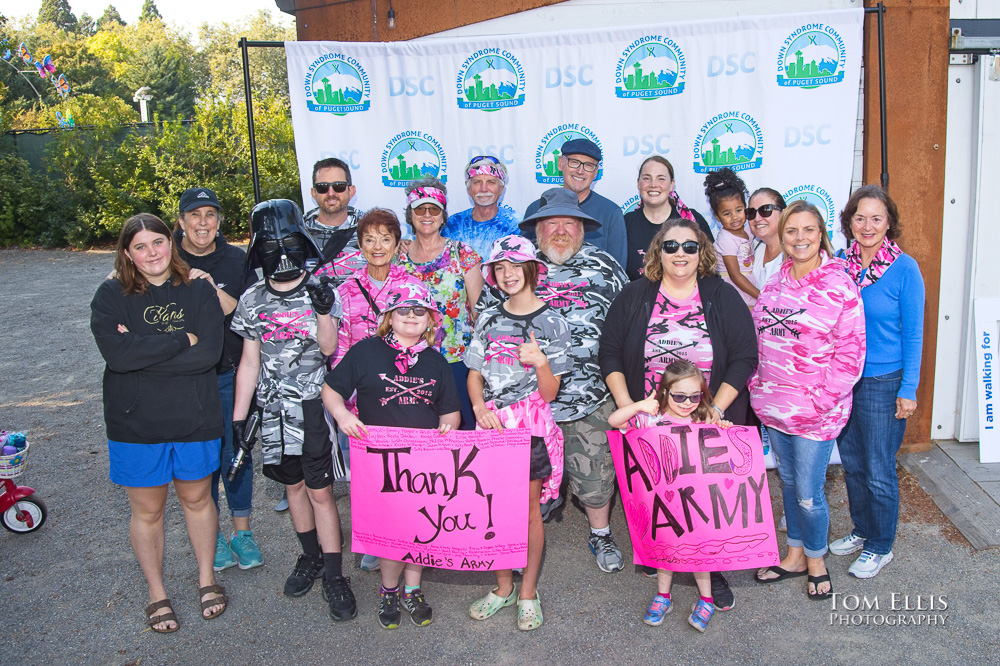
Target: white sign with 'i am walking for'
987 346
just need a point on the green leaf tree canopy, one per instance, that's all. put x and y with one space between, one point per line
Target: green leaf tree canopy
110 17
58 13
150 12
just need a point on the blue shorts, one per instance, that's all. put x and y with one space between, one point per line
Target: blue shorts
151 465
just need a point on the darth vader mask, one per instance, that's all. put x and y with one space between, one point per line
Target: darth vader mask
280 245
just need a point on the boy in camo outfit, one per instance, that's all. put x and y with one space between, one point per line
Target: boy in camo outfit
289 322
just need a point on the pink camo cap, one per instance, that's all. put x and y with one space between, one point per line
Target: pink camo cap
515 249
411 294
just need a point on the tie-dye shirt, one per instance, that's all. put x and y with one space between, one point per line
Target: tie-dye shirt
676 331
811 340
445 278
481 235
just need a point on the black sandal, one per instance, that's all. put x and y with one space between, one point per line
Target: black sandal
153 620
220 598
816 580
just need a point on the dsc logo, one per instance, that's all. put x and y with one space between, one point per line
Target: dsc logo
807 135
732 64
569 76
504 153
349 156
411 86
646 144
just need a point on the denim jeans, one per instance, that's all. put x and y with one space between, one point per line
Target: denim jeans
802 467
461 373
868 447
239 493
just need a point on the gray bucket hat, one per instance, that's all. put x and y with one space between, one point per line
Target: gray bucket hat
559 202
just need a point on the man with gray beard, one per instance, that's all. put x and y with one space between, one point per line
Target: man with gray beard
488 219
582 281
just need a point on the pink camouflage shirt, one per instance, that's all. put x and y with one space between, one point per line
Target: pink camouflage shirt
811 340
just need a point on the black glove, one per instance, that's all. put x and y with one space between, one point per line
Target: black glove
322 296
239 432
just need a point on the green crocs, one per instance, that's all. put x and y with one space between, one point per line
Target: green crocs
491 603
529 613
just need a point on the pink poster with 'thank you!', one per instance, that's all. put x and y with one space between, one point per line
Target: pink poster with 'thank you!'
453 501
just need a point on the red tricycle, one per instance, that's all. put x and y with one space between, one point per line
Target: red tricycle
20 510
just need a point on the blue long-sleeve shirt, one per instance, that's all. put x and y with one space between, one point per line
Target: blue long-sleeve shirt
611 237
894 324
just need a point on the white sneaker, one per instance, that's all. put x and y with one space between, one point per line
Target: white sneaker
849 544
869 564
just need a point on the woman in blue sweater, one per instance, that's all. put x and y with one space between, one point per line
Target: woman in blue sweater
893 293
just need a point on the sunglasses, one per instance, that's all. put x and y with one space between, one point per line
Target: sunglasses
339 187
482 158
764 211
427 209
689 247
680 398
418 310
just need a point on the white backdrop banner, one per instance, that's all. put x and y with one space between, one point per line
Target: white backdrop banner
773 97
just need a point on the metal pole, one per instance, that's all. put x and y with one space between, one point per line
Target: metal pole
253 139
881 94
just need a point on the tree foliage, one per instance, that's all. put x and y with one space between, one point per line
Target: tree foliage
57 13
150 12
268 70
110 17
109 167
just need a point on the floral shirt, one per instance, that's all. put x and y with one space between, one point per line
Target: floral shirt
445 278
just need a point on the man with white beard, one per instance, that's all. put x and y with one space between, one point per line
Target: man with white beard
582 281
488 219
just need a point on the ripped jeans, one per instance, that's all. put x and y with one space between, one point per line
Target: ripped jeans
802 467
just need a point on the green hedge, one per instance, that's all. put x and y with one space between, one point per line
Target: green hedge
100 176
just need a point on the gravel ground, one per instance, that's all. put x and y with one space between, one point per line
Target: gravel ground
72 592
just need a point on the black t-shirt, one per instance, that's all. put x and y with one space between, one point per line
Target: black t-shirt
639 232
225 265
386 396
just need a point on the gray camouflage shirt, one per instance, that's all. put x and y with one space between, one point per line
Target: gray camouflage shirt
291 364
493 351
348 259
581 290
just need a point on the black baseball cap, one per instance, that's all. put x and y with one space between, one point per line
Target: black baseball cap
196 197
582 147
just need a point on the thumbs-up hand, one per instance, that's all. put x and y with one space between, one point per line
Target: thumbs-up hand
529 353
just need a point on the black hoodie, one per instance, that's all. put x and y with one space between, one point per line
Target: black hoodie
225 265
157 386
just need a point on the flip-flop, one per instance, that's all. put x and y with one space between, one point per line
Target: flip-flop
816 580
782 574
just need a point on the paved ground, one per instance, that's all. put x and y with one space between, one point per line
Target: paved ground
72 592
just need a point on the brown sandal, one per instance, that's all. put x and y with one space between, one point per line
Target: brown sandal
214 601
153 620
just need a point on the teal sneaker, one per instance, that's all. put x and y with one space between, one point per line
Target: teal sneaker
245 548
224 555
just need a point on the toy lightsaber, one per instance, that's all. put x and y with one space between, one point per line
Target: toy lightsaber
244 447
